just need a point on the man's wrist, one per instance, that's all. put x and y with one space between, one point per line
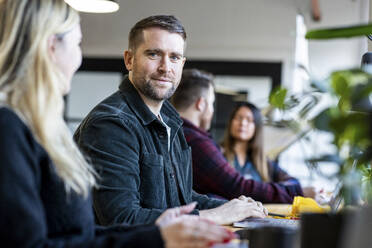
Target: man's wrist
210 214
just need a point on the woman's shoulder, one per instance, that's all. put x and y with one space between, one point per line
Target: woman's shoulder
9 118
12 128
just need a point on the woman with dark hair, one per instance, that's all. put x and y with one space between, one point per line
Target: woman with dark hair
45 182
243 147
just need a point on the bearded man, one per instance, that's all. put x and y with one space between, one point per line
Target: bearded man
134 138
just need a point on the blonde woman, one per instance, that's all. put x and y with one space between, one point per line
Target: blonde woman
243 147
45 182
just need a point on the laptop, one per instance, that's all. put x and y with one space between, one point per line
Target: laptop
252 223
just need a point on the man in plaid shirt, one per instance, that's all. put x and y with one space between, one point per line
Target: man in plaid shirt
212 174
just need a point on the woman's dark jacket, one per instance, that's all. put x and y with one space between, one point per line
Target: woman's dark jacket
36 211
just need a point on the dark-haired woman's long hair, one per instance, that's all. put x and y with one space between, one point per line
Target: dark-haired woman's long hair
255 145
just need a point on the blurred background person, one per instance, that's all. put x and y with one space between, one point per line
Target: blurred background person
212 173
45 182
243 147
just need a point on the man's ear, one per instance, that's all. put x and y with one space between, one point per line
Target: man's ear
128 59
52 42
200 104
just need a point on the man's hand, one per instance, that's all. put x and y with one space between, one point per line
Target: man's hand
235 210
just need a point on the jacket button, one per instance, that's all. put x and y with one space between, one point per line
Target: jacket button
161 135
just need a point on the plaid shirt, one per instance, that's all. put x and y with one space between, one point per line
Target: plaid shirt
212 174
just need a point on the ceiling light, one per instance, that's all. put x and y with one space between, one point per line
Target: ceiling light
94 6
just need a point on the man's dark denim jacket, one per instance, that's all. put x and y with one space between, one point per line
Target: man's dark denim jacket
128 146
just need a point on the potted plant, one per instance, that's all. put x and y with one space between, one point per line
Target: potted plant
347 118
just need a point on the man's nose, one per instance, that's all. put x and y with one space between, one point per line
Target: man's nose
165 64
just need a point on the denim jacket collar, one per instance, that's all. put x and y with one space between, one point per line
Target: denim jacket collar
143 113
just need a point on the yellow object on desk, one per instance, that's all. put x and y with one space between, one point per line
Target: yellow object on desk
306 205
279 208
300 205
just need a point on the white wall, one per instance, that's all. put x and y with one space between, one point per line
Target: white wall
217 29
262 30
87 90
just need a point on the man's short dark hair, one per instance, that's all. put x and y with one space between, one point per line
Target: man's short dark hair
194 84
166 22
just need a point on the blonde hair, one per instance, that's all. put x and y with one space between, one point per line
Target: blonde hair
255 145
31 84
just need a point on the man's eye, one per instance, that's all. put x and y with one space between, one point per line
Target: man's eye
175 58
152 55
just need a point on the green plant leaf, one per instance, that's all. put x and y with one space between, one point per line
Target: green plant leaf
322 121
356 132
344 104
366 173
340 83
360 97
339 32
277 98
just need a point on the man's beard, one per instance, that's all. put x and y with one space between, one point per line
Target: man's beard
150 91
